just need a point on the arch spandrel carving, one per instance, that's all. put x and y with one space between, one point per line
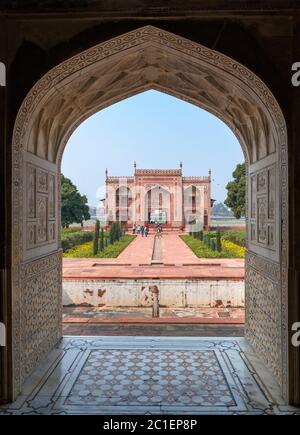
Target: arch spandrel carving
146 65
150 58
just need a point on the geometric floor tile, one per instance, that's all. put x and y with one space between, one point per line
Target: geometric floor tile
162 377
157 375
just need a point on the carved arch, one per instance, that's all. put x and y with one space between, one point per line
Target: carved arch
146 58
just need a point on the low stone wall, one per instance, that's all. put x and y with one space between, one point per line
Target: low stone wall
136 293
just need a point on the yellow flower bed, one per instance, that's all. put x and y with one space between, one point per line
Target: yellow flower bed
229 249
233 249
85 250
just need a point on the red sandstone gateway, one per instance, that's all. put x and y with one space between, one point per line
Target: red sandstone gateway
161 196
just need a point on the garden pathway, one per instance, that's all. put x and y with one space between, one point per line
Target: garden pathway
179 262
176 252
138 252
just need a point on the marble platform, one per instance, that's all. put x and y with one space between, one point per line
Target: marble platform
150 375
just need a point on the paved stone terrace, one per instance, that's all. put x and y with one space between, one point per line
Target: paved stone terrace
150 375
178 262
154 329
84 315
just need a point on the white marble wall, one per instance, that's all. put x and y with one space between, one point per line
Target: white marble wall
172 293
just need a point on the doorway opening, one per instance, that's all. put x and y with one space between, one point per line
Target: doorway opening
148 58
171 237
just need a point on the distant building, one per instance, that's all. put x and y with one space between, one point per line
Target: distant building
159 195
92 211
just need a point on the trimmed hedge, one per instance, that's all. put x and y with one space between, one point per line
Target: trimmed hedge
71 239
213 245
70 230
234 236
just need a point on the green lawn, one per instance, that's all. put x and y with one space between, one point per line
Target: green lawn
69 230
85 250
229 249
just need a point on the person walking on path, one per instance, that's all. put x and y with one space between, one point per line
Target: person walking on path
138 229
142 230
133 228
159 231
146 231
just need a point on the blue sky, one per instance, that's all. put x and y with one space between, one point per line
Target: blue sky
156 130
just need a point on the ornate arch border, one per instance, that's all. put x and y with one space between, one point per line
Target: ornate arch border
103 51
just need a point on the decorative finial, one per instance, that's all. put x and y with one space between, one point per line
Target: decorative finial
134 164
209 172
106 173
180 165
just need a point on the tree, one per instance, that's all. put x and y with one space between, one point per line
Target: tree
96 238
236 191
74 206
115 232
212 243
101 245
218 240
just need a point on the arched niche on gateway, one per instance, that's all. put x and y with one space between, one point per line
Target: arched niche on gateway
143 59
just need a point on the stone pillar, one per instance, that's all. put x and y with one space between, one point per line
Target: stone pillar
172 209
155 296
209 201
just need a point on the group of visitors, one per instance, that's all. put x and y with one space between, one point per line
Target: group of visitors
143 230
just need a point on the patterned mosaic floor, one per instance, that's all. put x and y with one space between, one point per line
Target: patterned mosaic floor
150 375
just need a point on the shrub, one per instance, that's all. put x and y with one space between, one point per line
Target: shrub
115 232
96 237
234 236
213 244
206 238
118 230
218 241
74 238
70 230
101 243
201 235
211 234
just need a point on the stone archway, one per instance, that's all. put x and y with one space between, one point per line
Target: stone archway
123 205
147 58
193 207
158 205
